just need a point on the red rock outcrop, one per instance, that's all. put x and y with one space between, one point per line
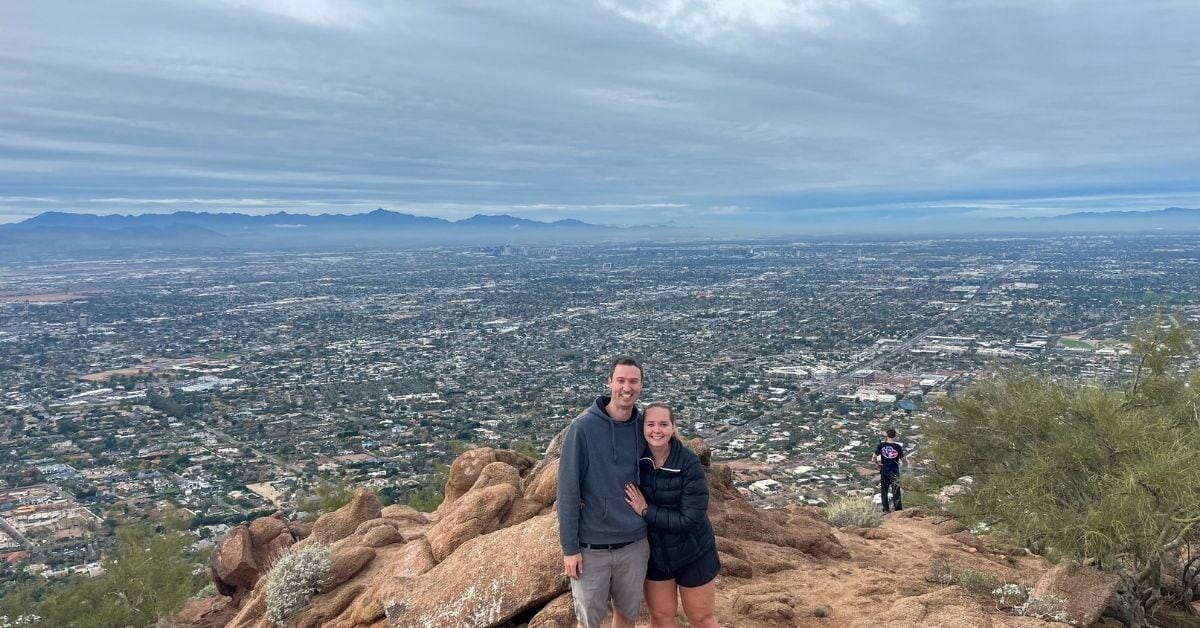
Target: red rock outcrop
488 581
488 558
246 552
232 566
469 466
364 506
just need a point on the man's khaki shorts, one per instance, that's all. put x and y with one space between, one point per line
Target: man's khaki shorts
610 574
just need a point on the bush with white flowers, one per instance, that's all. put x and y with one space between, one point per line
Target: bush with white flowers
293 581
28 619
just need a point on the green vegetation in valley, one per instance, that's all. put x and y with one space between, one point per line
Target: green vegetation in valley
148 577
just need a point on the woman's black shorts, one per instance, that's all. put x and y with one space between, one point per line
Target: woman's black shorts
698 572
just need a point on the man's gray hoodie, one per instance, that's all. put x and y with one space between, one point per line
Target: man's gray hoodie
599 456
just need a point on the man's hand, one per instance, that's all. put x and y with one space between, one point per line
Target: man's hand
573 565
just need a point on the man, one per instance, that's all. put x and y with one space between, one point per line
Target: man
604 544
887 457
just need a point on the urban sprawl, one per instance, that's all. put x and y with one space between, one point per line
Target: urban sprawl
216 389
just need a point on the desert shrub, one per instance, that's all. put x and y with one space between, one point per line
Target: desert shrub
1099 475
1020 601
853 511
209 590
20 621
981 583
940 572
977 582
1009 596
294 579
1049 608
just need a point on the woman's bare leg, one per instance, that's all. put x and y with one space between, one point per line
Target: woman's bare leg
698 604
662 600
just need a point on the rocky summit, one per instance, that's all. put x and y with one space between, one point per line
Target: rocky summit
489 556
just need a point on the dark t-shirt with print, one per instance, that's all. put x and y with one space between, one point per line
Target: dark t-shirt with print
890 454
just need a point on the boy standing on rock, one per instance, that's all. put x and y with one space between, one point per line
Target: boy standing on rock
604 545
887 457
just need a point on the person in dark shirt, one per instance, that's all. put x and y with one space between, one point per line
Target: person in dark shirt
887 457
672 497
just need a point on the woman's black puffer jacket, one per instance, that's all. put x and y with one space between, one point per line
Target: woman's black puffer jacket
677 512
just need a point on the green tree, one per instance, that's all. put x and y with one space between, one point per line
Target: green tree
148 577
1104 476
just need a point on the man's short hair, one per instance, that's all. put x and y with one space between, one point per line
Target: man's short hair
891 432
625 360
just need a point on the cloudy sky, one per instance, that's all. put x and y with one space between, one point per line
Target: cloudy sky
616 111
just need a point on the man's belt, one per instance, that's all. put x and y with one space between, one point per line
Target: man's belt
605 546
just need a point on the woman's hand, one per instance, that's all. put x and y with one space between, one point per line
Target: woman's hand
633 497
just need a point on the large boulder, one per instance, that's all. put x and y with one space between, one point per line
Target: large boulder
392 574
346 564
487 581
466 470
1084 591
414 560
548 464
478 512
380 536
543 487
521 510
264 529
406 515
498 473
232 565
267 554
341 523
327 606
515 459
559 613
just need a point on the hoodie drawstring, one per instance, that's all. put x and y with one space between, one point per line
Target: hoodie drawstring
612 431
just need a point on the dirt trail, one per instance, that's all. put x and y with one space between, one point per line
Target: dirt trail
880 584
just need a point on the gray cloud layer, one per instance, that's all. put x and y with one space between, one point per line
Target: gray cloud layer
618 110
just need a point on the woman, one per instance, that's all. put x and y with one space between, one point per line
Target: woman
683 550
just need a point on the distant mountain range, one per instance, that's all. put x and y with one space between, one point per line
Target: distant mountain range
54 230
1171 218
60 231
